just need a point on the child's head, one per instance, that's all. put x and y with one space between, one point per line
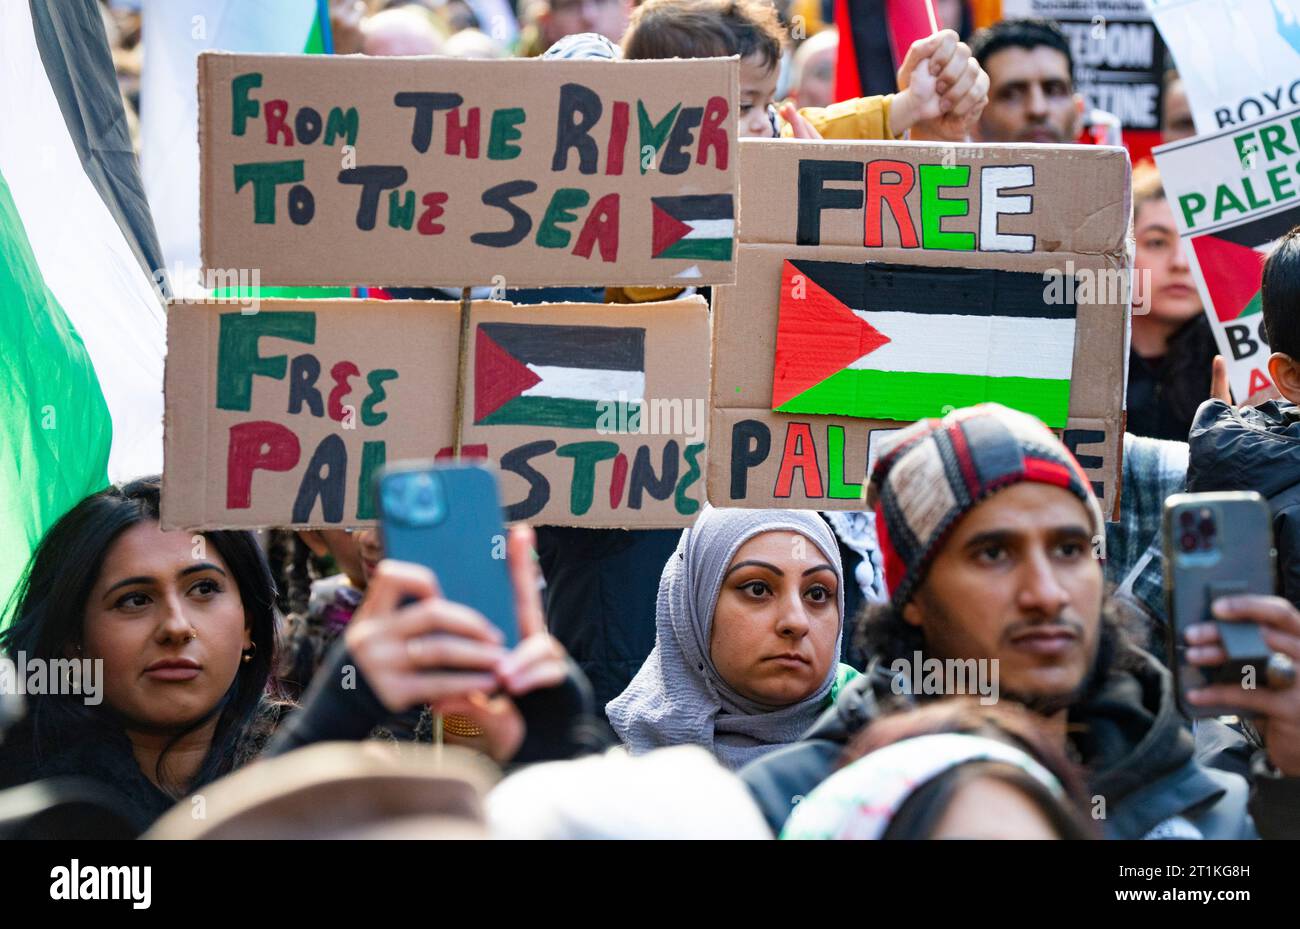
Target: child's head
717 29
1280 294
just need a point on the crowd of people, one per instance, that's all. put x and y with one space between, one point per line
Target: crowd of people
759 673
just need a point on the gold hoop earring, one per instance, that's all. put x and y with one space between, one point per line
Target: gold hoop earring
248 655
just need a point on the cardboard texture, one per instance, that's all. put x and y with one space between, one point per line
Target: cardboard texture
350 170
595 414
283 416
1233 196
762 458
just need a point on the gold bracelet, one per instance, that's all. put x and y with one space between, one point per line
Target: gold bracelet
460 726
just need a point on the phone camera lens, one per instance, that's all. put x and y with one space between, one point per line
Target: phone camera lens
1188 519
1207 528
1190 541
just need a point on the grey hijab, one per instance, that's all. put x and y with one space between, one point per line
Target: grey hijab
678 697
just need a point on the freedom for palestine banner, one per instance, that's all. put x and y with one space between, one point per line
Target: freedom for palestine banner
880 283
81 346
1234 194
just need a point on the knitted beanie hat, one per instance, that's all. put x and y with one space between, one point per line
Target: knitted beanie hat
937 470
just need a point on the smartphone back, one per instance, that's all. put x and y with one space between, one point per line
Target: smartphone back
448 518
1216 545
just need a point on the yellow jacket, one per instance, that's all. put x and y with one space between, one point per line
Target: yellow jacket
859 118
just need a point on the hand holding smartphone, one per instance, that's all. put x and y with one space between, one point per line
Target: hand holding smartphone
447 517
1216 545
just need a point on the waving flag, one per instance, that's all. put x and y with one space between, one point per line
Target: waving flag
903 342
81 345
566 376
174 34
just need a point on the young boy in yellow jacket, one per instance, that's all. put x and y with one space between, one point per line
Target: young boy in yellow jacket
942 93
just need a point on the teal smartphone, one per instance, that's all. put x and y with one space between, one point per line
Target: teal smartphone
447 517
1216 545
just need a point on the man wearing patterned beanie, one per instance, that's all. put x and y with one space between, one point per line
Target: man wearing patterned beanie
991 538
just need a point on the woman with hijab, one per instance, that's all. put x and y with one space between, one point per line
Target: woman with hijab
748 625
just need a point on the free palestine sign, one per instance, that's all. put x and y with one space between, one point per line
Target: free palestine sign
881 283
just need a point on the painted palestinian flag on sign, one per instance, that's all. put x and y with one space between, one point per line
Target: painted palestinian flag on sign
1232 262
566 376
696 227
902 342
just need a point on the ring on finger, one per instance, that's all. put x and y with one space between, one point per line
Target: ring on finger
1280 672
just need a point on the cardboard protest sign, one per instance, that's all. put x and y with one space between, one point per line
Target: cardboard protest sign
1239 59
595 414
1234 194
890 282
1118 56
441 171
283 416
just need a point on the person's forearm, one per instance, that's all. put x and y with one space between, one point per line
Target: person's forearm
557 720
338 706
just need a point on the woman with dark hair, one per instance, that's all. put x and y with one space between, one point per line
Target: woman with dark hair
952 769
180 631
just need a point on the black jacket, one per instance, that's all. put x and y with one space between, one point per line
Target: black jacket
557 720
101 753
1254 448
1164 393
1133 743
601 589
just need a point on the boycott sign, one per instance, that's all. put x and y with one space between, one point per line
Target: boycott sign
909 280
595 414
1117 51
1234 195
1239 59
319 169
